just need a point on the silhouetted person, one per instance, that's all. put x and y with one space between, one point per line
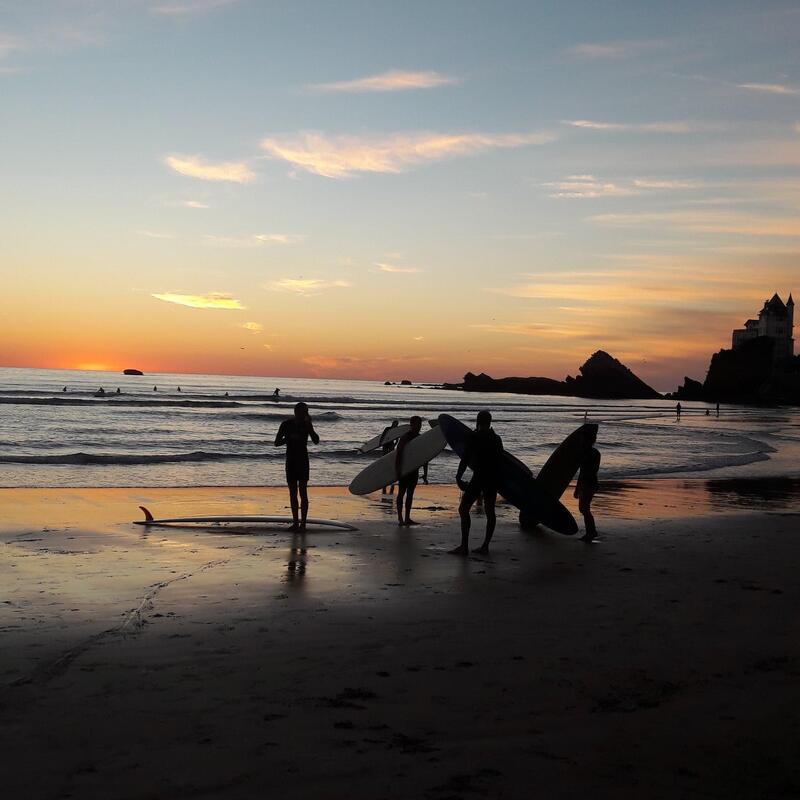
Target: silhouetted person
64 389
100 392
387 447
482 455
118 391
425 472
587 485
179 388
406 484
155 388
276 393
717 409
708 412
294 434
678 411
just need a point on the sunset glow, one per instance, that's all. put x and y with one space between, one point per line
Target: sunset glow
414 209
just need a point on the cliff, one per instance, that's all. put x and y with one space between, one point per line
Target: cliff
748 374
601 377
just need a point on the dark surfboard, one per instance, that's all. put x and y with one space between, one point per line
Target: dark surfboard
514 482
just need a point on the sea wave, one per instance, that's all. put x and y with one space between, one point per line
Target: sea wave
117 401
133 458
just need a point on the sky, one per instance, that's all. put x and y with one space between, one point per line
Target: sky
394 190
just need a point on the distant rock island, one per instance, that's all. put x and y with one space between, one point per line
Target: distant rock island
132 372
601 377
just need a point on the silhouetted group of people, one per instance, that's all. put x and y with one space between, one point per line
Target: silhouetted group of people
482 455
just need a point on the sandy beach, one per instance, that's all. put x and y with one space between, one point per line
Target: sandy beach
150 663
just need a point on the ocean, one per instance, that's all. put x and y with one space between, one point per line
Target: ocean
219 430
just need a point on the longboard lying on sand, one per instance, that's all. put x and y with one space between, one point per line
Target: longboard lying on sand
378 441
383 471
555 476
514 481
150 520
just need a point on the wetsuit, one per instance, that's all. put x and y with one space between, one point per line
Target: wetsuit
482 455
296 435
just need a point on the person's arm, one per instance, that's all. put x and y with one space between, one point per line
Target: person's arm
311 432
462 466
280 437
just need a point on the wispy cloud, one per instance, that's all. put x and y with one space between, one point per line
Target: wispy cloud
155 234
194 204
305 286
392 81
596 51
395 269
343 156
190 7
586 186
214 300
708 222
253 327
589 187
770 88
254 240
194 166
634 127
362 366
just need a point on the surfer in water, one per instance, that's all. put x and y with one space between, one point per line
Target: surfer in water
482 456
294 434
406 484
587 484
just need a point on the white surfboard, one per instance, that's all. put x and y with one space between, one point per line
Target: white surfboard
376 441
213 518
382 472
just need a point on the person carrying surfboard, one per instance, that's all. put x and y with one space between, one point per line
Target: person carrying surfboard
587 484
406 484
294 433
482 455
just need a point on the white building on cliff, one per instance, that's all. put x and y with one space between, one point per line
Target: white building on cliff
776 321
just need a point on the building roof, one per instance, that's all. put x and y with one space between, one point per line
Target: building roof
775 304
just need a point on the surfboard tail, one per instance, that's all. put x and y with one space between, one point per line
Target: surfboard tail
148 517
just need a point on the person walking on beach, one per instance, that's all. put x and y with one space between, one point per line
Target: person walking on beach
294 433
406 484
587 484
387 447
482 455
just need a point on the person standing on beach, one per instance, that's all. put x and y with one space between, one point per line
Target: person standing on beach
294 434
587 484
678 411
482 455
386 448
406 484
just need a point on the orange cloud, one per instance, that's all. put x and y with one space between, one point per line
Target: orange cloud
214 300
305 286
197 167
392 81
343 156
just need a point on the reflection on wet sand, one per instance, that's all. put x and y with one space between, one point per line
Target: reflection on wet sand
696 497
298 558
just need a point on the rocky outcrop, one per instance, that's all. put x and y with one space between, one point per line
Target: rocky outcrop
132 372
601 377
748 374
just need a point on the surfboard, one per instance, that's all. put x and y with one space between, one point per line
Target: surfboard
382 472
213 518
376 441
514 481
555 476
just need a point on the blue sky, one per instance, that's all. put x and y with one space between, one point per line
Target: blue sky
358 188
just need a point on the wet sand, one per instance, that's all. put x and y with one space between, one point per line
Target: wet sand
150 663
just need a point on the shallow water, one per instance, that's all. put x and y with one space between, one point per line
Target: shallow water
201 437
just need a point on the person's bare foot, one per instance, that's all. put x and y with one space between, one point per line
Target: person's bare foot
482 550
459 551
294 527
400 521
588 538
411 522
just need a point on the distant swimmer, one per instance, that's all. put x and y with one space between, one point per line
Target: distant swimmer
100 392
387 447
64 389
155 388
482 455
406 484
294 434
276 393
179 388
118 391
587 485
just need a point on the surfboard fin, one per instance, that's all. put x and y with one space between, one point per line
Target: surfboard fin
148 517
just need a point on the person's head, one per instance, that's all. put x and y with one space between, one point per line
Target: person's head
301 411
484 420
416 424
589 435
395 423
